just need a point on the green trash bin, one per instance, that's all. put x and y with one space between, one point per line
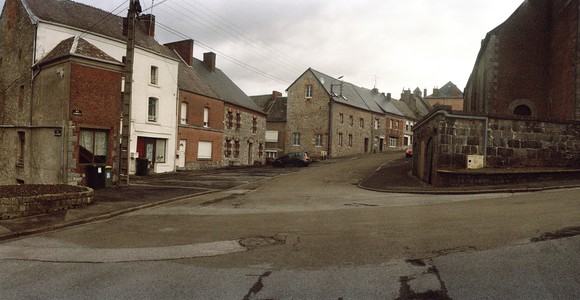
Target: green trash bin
108 176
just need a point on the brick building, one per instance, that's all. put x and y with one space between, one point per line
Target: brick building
522 102
59 132
219 124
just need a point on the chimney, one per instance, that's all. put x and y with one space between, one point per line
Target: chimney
389 96
435 92
184 49
147 24
424 93
375 90
276 94
209 61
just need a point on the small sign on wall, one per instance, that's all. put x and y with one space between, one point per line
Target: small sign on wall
77 112
475 161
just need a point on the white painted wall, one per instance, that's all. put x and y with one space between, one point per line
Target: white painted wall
50 35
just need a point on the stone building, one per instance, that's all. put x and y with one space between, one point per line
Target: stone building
329 117
59 104
274 105
448 95
522 102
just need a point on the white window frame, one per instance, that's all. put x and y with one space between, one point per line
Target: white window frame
152 108
206 117
296 139
183 113
154 75
204 150
319 140
309 89
392 142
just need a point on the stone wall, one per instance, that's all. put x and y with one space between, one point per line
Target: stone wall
443 141
14 207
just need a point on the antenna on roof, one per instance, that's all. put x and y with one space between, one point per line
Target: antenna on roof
151 17
375 86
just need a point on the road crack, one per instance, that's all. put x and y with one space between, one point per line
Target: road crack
257 287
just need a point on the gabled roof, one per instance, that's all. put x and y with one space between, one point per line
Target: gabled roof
224 87
449 90
348 93
189 80
404 109
275 107
78 47
87 18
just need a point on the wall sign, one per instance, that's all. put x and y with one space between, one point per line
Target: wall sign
77 112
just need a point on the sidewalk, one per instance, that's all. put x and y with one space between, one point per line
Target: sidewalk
395 177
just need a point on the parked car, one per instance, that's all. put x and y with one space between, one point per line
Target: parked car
409 151
300 159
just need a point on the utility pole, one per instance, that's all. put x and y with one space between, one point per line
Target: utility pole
129 31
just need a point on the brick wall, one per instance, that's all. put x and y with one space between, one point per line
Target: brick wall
530 59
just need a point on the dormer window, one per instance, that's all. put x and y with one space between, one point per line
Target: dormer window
154 75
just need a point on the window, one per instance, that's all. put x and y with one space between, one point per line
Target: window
271 154
390 124
254 125
407 125
340 139
376 123
152 111
309 91
361 123
21 145
296 139
236 149
154 75
260 150
230 120
392 142
350 120
522 110
238 121
92 146
204 150
350 140
271 136
160 150
205 117
396 124
318 138
341 118
228 151
183 113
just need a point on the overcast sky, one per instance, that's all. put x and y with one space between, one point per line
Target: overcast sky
264 45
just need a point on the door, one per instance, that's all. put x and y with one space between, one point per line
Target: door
250 154
366 145
181 154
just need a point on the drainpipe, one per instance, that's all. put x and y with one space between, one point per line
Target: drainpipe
328 155
450 115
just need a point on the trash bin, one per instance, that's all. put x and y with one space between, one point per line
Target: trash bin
108 178
142 167
95 176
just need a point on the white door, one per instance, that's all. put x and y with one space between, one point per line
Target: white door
181 154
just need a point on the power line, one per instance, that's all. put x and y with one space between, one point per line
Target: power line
102 21
225 56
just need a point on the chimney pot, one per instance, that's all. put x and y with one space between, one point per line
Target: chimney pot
148 24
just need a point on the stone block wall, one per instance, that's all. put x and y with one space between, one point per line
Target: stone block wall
442 142
14 207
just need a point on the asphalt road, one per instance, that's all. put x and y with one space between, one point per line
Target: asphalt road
312 234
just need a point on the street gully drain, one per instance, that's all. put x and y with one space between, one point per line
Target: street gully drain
251 243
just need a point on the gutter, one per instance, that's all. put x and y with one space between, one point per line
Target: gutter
464 117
